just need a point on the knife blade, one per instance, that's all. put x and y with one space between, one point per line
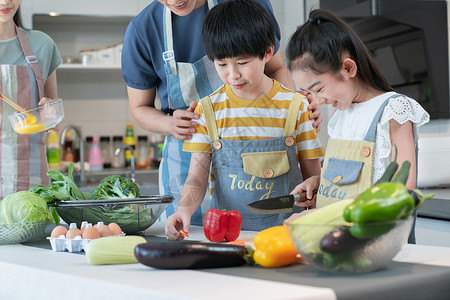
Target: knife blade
276 205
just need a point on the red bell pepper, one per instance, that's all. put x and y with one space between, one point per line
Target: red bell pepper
222 225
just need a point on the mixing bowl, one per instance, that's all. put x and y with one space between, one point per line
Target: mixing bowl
334 248
38 119
132 215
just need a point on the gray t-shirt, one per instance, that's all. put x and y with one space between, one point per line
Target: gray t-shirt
42 47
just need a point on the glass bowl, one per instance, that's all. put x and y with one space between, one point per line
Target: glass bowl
350 248
38 119
132 215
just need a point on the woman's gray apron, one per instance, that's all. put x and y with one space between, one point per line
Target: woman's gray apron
23 157
186 83
246 171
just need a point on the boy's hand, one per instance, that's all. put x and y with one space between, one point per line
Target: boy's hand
308 186
181 124
176 222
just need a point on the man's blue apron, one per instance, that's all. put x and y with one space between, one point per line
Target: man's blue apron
246 171
186 83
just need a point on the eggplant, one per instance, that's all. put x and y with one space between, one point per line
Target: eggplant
192 255
341 241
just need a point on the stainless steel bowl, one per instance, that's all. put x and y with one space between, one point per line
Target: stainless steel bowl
132 215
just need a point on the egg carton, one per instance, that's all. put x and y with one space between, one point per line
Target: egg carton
61 244
77 244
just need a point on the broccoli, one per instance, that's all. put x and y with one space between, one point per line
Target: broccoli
115 187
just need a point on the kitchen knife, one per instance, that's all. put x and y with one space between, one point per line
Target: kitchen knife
276 205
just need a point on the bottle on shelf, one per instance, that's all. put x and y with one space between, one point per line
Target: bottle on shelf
95 156
105 147
157 144
118 161
53 150
129 140
87 147
142 161
68 154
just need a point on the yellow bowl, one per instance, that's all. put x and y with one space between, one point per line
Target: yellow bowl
38 119
334 248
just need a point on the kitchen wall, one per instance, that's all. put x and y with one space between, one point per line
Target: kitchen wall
96 100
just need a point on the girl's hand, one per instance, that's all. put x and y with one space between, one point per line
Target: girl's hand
181 122
176 222
299 215
315 111
315 115
308 187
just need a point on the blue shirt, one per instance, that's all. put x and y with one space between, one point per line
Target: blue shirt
142 63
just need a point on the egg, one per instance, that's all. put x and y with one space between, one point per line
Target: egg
91 233
58 231
115 228
104 231
72 233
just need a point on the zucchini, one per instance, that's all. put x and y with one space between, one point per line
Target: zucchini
192 255
390 169
113 250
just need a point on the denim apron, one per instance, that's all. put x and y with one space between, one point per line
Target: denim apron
23 157
246 171
186 83
348 164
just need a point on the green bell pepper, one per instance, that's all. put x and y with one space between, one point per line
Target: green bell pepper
385 201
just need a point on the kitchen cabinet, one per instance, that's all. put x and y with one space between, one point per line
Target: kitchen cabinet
95 97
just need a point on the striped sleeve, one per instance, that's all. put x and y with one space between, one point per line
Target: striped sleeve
200 139
307 140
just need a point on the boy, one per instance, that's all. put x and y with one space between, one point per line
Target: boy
245 129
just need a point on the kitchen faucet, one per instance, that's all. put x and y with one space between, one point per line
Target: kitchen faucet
133 164
80 138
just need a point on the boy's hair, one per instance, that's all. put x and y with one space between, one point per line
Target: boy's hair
235 28
318 45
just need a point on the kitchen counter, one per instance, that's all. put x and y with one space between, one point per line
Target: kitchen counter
32 271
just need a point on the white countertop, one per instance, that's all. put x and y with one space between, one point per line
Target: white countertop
35 273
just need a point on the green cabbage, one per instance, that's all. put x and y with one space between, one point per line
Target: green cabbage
22 207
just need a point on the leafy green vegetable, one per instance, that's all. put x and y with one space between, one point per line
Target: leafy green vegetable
62 188
23 206
115 187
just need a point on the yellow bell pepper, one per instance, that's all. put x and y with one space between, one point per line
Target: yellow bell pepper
274 248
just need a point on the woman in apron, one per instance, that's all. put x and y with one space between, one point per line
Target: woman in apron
26 76
163 53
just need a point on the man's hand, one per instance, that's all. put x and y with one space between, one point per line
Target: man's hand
181 124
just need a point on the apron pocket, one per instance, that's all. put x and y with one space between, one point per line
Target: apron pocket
341 171
266 164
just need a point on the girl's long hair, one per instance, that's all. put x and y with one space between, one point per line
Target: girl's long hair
18 18
318 45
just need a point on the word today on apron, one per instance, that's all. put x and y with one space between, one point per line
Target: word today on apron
251 185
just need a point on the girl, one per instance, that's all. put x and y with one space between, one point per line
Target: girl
28 60
332 65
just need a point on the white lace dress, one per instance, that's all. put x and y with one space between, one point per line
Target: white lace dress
353 123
